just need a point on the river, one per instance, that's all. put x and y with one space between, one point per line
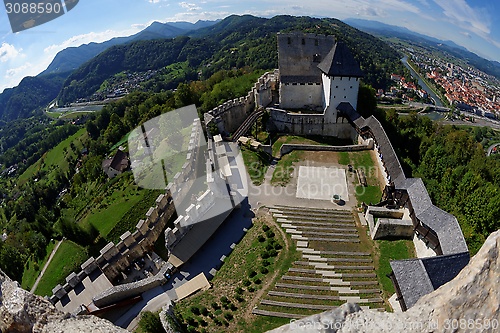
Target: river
424 86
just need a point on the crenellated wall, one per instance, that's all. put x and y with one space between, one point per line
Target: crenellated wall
115 258
231 114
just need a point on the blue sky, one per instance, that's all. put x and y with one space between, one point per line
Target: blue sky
470 23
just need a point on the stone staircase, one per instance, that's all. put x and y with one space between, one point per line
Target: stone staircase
333 268
252 118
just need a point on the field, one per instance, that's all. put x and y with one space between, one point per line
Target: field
67 259
55 159
32 268
256 164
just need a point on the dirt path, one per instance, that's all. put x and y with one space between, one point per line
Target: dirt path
270 281
45 266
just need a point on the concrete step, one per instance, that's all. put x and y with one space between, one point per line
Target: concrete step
297 305
347 267
338 240
300 223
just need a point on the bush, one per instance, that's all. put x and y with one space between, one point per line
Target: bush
203 323
252 273
191 321
239 298
278 246
218 322
228 316
204 311
266 263
218 312
269 247
273 253
251 289
191 329
261 238
150 322
246 282
265 228
215 306
224 300
264 255
264 270
233 307
239 291
257 281
270 234
195 310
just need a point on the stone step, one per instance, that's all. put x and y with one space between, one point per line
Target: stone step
277 314
338 282
311 228
319 297
327 234
348 260
311 223
297 305
332 273
367 267
323 239
307 218
284 208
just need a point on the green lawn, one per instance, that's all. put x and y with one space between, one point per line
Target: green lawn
55 159
33 267
391 250
285 168
344 158
368 195
256 164
67 259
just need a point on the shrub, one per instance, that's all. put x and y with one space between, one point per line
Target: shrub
252 273
269 247
273 253
264 270
195 310
218 322
203 323
261 238
239 291
257 281
215 306
191 329
270 234
264 255
233 307
265 228
278 246
218 312
251 289
204 311
239 298
265 262
228 316
224 300
246 282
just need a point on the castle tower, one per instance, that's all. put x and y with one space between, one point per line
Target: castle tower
340 78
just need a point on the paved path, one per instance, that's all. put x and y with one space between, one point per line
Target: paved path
45 266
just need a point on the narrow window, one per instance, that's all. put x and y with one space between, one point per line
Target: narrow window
289 40
303 41
316 42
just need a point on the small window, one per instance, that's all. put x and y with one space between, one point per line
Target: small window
345 97
303 41
289 40
316 42
316 58
336 87
351 87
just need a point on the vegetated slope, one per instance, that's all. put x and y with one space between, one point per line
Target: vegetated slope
31 94
234 42
448 47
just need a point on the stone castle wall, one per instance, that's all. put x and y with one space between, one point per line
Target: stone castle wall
230 115
115 258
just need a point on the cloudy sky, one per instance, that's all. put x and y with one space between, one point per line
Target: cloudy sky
470 23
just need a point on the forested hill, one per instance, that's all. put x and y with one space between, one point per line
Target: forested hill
236 41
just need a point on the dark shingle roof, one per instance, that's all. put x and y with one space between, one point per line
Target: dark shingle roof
340 62
412 280
419 277
445 225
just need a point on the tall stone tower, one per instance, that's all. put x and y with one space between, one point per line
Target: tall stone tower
340 80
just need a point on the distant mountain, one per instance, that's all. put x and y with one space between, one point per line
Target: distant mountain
35 92
71 58
460 52
235 42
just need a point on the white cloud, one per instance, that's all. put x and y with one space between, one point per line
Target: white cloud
9 52
195 16
475 20
189 6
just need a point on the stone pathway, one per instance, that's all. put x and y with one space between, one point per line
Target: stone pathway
54 250
333 269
